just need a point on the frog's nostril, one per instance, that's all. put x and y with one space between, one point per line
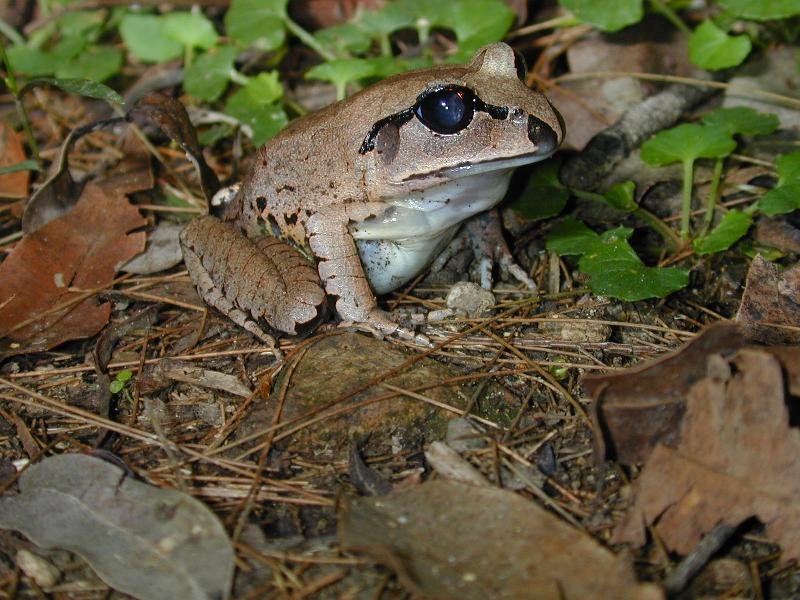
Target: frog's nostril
542 135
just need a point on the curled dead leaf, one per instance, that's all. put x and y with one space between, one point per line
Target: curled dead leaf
736 458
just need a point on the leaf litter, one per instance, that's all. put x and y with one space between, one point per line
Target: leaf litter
736 458
49 281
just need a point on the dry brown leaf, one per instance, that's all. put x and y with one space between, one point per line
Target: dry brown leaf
12 185
777 233
737 458
641 407
451 540
589 105
81 249
171 117
771 303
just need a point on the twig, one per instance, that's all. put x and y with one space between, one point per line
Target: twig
679 578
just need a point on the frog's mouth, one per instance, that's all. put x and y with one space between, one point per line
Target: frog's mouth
471 169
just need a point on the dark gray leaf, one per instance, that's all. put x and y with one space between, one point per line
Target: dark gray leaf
145 541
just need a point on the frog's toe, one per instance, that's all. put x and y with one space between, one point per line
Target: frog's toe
490 249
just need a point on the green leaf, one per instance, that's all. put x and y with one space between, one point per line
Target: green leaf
25 165
145 39
257 22
783 199
116 386
190 29
30 61
392 17
788 167
95 62
685 143
255 105
544 196
621 196
570 236
345 38
751 249
612 265
210 136
342 71
124 375
711 48
731 228
762 10
786 196
82 87
478 22
81 23
608 16
742 120
265 87
616 271
208 76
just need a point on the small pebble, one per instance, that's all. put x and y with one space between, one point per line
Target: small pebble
470 298
43 573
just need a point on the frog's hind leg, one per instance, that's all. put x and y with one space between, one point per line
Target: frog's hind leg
256 283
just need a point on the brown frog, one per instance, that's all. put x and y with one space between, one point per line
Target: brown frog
370 190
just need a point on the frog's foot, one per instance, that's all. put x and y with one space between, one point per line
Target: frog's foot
486 236
256 283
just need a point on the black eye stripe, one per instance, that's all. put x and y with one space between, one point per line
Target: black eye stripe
404 116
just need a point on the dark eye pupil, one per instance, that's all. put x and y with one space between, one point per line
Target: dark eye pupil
446 111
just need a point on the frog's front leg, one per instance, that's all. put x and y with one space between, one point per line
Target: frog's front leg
489 246
341 270
484 233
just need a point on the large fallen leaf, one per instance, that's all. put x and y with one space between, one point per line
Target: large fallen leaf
12 185
145 541
643 406
81 249
737 458
451 540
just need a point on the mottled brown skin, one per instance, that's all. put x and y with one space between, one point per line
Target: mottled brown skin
317 185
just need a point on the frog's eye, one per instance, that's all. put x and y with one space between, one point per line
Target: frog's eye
446 111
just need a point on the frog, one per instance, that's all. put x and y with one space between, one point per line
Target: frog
355 200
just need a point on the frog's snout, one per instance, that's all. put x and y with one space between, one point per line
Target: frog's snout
542 136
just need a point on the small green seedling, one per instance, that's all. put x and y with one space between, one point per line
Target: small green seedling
712 138
120 381
685 144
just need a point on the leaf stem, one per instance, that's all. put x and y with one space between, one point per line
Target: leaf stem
386 45
308 39
238 77
11 84
671 16
567 20
711 200
12 34
686 205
